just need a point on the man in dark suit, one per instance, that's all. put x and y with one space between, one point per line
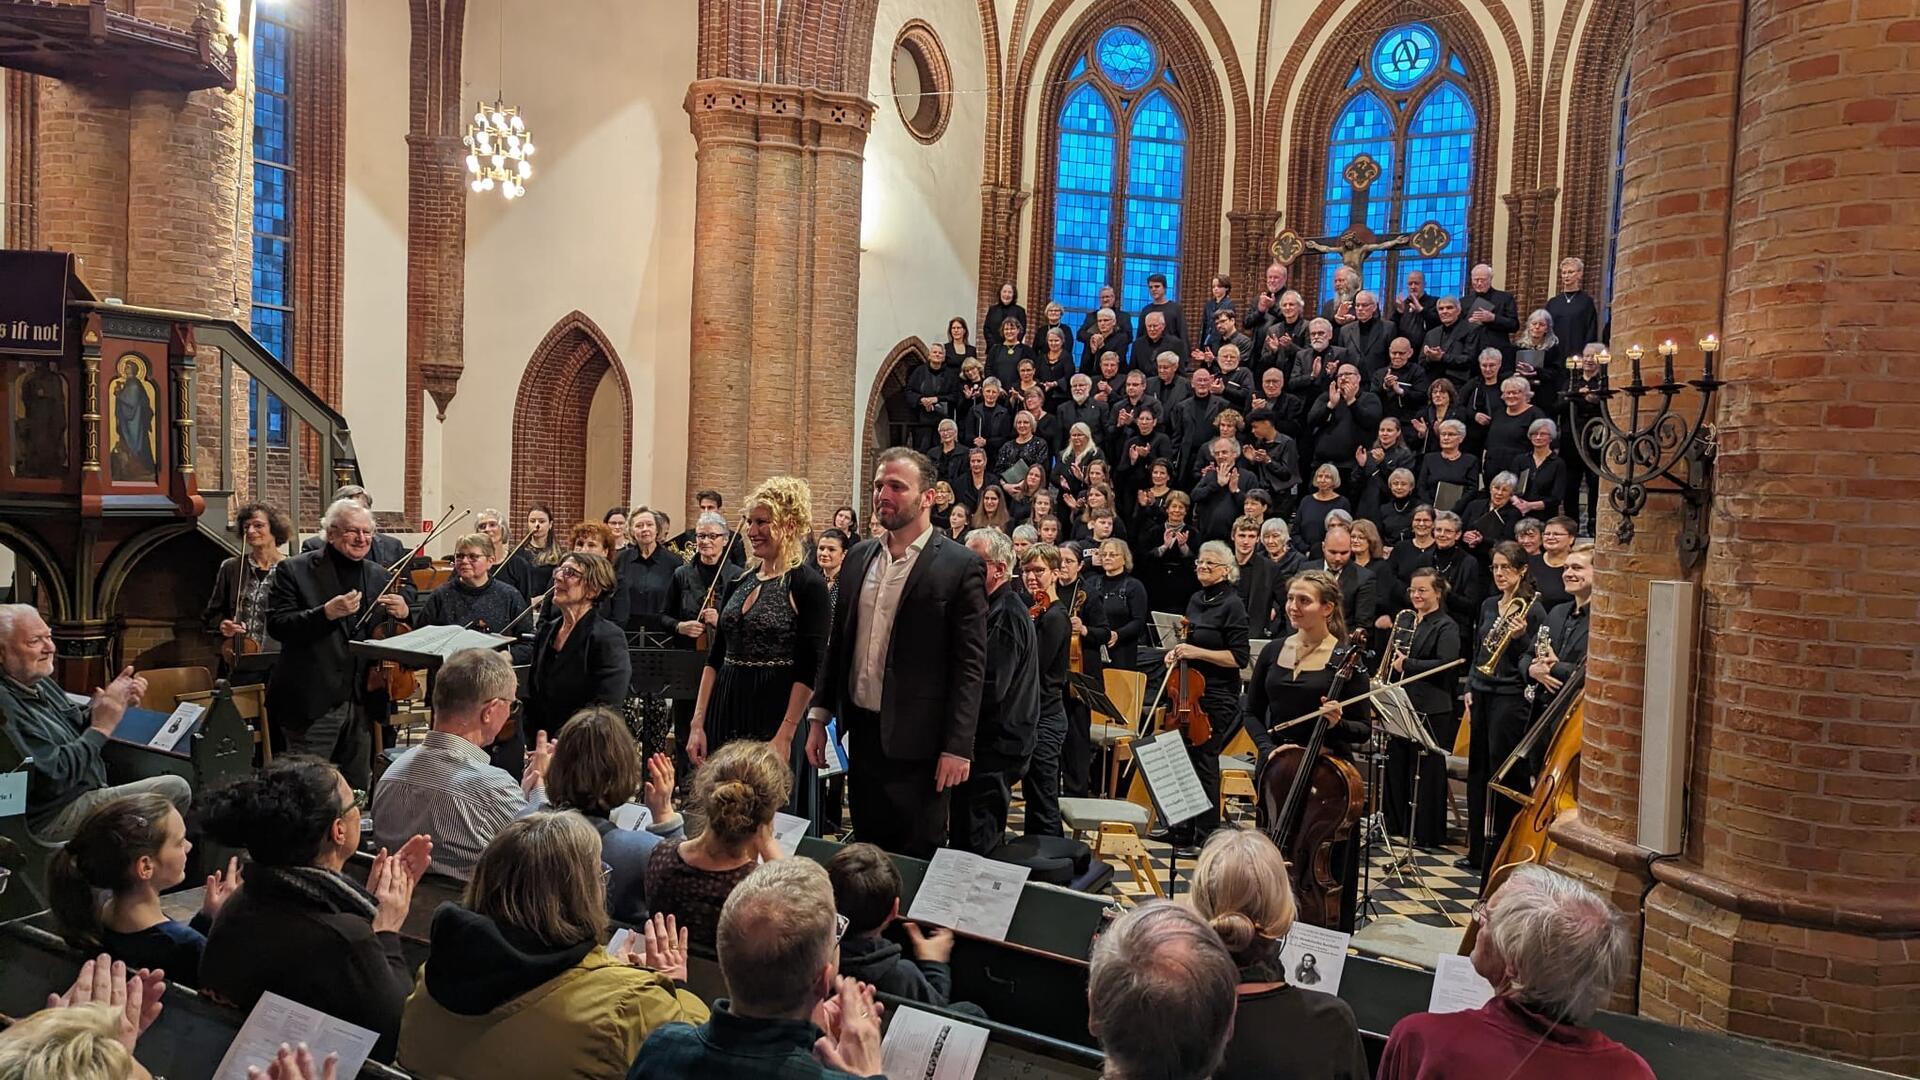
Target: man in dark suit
905 666
1493 311
1366 338
317 602
387 550
1009 723
1356 581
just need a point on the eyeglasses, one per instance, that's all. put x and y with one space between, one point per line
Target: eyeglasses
469 556
840 924
1212 565
709 536
606 875
1479 912
357 802
567 573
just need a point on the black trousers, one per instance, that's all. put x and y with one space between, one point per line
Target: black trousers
1499 723
893 800
1076 756
1040 784
977 811
1428 817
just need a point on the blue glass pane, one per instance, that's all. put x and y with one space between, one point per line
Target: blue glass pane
1355 77
1156 118
270 326
1445 109
1154 169
1438 181
1454 63
272 197
272 263
1126 56
1439 163
1086 162
1153 228
1365 117
1086 110
1082 221
1404 55
1079 68
271 52
1133 276
272 129
1077 278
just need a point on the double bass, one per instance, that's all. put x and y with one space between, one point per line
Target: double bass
1319 799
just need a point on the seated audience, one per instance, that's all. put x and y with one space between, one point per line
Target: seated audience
596 770
517 983
1240 887
445 787
736 793
1553 950
89 1032
298 927
105 887
1160 995
778 950
866 892
66 776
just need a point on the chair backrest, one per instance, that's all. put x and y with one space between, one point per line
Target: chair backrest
1128 691
428 580
165 685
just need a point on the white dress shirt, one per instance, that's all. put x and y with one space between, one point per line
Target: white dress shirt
879 601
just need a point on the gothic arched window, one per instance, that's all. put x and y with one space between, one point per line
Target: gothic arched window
1407 105
273 180
1122 174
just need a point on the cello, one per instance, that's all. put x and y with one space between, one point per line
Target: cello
1319 799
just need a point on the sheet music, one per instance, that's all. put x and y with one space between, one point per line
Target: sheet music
444 641
13 792
632 816
1166 628
837 760
1171 780
275 1020
178 724
922 1046
618 941
787 831
1456 986
966 892
1315 957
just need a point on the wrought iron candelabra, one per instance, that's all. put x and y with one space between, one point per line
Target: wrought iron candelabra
1656 443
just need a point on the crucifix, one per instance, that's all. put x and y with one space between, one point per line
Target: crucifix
1358 241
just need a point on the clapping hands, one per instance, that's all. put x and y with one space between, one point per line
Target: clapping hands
134 995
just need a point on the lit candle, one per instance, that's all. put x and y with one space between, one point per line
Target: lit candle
1635 353
1710 345
1667 349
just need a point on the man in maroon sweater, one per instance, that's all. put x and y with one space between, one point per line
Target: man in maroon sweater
1552 949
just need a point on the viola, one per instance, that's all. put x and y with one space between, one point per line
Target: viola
1310 800
1076 659
1185 687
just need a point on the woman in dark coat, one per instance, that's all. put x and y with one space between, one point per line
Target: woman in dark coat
577 658
1116 612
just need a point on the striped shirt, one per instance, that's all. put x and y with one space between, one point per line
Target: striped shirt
446 788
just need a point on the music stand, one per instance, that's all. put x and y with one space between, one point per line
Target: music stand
1094 694
665 673
1394 717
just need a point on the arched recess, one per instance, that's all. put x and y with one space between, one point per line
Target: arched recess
1600 62
46 569
886 413
1320 96
119 566
1206 119
555 398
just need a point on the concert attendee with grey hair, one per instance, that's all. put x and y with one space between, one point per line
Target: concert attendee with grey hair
989 423
1216 645
1366 338
1493 310
1009 704
1539 356
387 550
1507 429
66 775
1466 581
1216 498
779 947
1401 385
1553 950
1339 307
1161 995
1541 471
1315 363
1310 518
1576 320
1343 419
1153 339
932 393
1105 329
1490 518
1482 400
1450 348
1190 424
317 602
445 787
1450 464
1166 385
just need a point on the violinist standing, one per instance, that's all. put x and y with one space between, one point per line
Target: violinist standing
694 600
1293 677
1039 570
317 602
237 609
1216 647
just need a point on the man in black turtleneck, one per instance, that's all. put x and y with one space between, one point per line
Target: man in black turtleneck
1009 706
1366 338
319 601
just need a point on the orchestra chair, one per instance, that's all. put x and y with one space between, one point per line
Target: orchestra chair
1117 825
1236 779
250 701
166 686
1114 735
425 581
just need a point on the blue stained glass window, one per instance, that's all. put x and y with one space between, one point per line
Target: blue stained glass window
1404 55
1619 190
1126 56
1118 208
273 180
1453 63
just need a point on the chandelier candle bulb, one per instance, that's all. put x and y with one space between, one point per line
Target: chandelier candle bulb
498 145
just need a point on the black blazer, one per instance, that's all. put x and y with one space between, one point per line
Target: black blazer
592 668
937 658
1436 641
1356 593
315 672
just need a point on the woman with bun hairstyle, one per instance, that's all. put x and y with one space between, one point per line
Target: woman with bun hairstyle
105 887
737 791
1281 1032
297 926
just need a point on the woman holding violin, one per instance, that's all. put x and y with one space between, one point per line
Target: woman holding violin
473 597
237 610
1203 689
1295 678
577 658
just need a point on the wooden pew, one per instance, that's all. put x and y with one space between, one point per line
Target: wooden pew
220 749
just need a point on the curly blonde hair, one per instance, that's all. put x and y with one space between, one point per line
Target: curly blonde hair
789 504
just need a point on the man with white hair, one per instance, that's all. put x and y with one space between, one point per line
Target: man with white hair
1366 338
1339 308
1081 407
779 946
1104 330
318 602
1161 995
1553 951
66 776
387 550
1154 338
1493 311
1009 704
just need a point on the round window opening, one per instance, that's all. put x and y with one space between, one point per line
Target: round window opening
922 81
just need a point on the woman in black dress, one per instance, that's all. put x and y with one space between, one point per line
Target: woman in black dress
1449 465
1293 677
766 653
959 342
1168 563
1542 472
1416 550
531 571
471 597
577 658
1116 611
1216 647
1507 433
1435 641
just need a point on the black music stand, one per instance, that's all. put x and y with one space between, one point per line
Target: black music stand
1099 704
665 673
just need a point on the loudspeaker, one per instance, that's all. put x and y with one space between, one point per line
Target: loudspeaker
1666 715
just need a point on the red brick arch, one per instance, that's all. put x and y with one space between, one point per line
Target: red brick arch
888 383
550 418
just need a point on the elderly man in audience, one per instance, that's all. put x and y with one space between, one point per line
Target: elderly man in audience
1154 339
66 776
1316 362
1339 307
1343 419
445 787
1493 310
1161 995
1009 703
788 1015
1553 950
1190 425
1366 338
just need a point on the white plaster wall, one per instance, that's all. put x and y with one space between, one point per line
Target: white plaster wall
919 203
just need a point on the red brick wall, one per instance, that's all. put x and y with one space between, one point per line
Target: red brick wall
549 422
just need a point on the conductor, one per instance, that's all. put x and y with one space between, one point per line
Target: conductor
905 664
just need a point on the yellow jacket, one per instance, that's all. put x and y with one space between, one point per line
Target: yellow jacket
588 1022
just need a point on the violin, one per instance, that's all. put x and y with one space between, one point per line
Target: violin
1040 605
1184 688
398 681
1310 800
1076 660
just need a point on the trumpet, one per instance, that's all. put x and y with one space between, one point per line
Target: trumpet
1506 626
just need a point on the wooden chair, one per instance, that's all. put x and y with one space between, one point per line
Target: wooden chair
1236 781
165 686
1114 734
425 581
1117 826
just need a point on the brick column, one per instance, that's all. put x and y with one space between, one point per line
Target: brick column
1250 235
81 162
1794 914
1670 263
777 250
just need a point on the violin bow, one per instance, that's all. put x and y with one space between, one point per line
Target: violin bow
536 603
397 568
1357 698
721 566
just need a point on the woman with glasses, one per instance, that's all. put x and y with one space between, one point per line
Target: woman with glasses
472 597
737 792
492 525
1116 612
577 658
237 610
298 927
517 983
1215 645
